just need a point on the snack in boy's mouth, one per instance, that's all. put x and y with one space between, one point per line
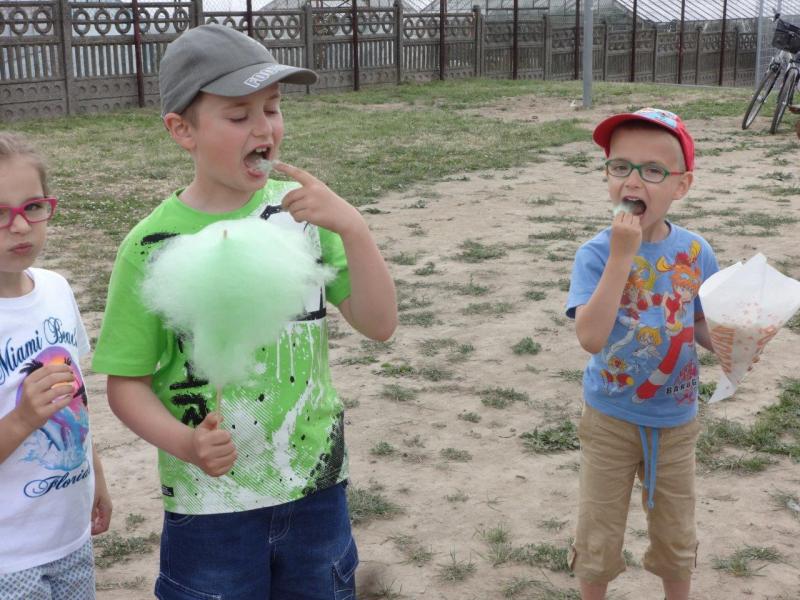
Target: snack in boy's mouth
265 165
625 206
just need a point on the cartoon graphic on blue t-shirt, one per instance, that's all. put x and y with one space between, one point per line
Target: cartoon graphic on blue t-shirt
685 277
59 444
647 373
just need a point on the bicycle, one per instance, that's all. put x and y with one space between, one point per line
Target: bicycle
787 40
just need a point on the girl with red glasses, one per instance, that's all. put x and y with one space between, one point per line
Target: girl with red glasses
51 481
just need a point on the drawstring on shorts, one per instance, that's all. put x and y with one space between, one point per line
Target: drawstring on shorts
650 462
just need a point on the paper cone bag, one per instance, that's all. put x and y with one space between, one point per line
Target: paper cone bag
745 305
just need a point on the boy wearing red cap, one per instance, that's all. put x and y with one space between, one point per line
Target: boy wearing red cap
633 295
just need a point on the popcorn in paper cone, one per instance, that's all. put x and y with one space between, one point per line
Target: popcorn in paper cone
745 305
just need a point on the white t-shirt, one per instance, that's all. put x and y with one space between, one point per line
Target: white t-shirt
47 483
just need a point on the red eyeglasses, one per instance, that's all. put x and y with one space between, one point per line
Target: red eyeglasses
34 210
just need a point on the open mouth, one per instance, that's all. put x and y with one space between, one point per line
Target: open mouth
633 206
258 161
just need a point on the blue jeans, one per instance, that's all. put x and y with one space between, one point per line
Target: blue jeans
301 550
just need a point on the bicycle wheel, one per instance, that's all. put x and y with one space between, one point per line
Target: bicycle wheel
784 97
760 96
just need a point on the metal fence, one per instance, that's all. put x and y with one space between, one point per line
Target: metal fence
62 57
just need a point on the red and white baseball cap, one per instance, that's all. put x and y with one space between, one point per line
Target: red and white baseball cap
663 118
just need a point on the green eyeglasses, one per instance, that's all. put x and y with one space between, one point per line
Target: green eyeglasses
650 172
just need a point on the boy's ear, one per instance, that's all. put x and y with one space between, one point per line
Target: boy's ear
180 130
684 185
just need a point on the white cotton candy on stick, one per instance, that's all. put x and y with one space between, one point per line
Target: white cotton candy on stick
745 305
230 289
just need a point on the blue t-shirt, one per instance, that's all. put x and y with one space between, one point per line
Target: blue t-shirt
647 373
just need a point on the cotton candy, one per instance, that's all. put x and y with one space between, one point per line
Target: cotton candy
626 206
231 289
265 165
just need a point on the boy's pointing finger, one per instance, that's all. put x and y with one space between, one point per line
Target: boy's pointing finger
296 173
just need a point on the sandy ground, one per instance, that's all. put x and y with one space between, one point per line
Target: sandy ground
502 485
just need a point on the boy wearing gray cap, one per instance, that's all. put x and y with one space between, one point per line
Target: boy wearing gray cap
257 509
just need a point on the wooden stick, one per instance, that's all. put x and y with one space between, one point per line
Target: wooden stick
219 402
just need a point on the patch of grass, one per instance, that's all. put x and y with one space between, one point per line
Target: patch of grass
777 175
376 346
404 258
765 221
413 303
432 346
396 370
546 201
776 430
470 289
535 295
474 252
708 359
573 375
470 417
398 393
351 402
383 449
460 353
455 455
501 397
414 552
385 591
133 520
705 391
498 540
420 203
629 559
433 373
421 319
553 524
428 269
745 464
365 359
579 159
111 548
560 438
136 583
457 496
487 308
706 108
738 563
366 505
544 555
542 590
456 570
526 346
558 234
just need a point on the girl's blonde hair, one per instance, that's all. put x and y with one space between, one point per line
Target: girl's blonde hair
12 145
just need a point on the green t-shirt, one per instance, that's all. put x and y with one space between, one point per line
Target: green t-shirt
286 421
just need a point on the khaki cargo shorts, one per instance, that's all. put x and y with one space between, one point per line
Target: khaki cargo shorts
611 456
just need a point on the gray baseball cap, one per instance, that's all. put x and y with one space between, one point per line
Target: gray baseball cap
219 60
